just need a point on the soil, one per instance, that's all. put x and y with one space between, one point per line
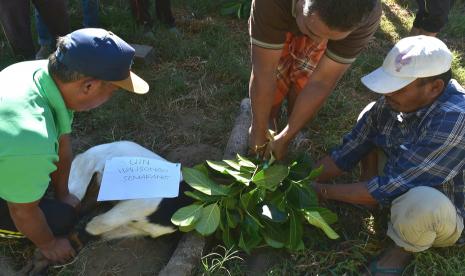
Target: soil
194 154
134 256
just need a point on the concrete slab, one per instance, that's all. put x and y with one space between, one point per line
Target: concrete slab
144 53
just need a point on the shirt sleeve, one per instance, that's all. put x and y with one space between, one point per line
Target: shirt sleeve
346 50
25 178
65 122
435 158
358 142
268 24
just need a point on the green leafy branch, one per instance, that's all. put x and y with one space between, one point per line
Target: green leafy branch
248 204
239 8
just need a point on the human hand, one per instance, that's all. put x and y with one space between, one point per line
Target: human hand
58 251
72 200
278 147
257 141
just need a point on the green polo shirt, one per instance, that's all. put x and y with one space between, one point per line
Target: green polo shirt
33 116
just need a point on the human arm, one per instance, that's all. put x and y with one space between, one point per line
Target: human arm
262 88
30 221
356 144
308 102
330 169
355 193
59 178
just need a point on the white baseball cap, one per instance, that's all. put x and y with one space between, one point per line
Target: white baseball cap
411 58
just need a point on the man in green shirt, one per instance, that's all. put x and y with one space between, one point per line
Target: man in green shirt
37 101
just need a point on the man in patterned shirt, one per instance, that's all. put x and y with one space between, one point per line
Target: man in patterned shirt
299 51
415 134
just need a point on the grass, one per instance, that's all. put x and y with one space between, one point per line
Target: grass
197 83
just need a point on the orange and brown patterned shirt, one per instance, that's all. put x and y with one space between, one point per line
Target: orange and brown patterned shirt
271 20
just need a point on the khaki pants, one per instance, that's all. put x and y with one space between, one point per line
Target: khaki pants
421 218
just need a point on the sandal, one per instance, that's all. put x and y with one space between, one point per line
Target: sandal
374 269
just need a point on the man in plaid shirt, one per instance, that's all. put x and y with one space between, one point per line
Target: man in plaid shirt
411 144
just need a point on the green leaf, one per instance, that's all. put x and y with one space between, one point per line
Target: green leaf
315 173
329 216
272 213
218 166
278 199
245 10
230 8
240 176
249 202
223 222
244 162
232 219
202 197
295 231
239 11
271 242
250 225
200 181
301 198
301 167
233 164
312 176
236 212
314 218
201 168
243 244
250 234
270 178
186 229
246 198
209 220
227 238
187 216
275 235
230 203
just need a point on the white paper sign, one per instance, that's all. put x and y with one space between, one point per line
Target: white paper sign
138 177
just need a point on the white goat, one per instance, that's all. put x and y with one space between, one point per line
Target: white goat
129 218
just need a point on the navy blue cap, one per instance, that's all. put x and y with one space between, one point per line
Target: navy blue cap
103 55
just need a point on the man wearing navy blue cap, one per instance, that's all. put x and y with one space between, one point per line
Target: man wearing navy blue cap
37 101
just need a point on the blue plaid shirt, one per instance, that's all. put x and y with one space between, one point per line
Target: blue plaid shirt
423 148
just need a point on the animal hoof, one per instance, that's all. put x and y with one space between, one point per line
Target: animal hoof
97 226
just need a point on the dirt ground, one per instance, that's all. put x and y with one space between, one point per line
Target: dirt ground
133 256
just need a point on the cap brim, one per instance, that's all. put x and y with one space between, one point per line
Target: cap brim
133 83
381 82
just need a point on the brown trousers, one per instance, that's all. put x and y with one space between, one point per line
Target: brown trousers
140 11
15 18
